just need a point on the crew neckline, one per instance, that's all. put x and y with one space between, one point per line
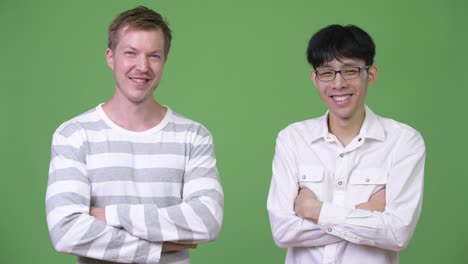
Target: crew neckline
147 132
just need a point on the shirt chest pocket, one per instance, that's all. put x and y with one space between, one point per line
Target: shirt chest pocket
312 177
365 182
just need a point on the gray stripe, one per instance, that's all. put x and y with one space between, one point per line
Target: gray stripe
170 257
68 174
84 260
64 199
208 219
61 228
69 152
161 202
123 213
183 229
191 128
213 194
70 129
142 252
113 248
199 172
152 221
85 243
135 175
138 148
202 150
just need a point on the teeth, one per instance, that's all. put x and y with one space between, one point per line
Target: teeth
138 80
341 98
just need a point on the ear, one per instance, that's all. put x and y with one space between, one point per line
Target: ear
313 77
110 58
373 72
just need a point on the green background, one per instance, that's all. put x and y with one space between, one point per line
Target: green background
239 68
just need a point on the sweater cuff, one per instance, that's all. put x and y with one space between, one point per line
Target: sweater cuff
112 217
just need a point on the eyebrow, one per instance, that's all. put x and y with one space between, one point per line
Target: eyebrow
328 66
151 52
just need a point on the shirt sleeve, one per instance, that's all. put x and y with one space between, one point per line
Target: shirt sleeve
71 228
393 228
288 229
196 219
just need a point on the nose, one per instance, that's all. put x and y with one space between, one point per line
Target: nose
339 82
142 64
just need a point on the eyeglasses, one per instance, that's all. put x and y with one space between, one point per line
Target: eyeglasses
347 73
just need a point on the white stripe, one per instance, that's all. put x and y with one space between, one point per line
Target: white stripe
200 184
140 189
89 117
58 163
127 252
60 187
97 250
135 161
195 222
137 215
214 208
202 162
74 234
75 140
181 120
165 137
57 214
155 252
169 230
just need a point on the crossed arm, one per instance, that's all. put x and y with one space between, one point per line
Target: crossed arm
135 233
308 206
100 214
386 221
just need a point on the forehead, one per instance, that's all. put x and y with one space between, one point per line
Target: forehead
338 63
141 37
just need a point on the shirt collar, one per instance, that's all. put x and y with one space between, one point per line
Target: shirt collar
371 127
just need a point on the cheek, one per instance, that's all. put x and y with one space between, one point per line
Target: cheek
157 67
323 92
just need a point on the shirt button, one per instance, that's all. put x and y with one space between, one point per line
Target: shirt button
340 183
359 139
341 155
303 176
367 180
330 229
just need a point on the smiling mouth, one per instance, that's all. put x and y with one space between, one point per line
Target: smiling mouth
139 80
341 98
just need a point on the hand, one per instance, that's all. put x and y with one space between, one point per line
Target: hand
307 205
376 202
99 213
171 246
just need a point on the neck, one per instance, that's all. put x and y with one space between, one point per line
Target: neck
132 116
346 129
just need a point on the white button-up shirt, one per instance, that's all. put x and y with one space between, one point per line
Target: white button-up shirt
385 154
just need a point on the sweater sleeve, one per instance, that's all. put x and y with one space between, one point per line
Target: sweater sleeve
72 230
288 229
196 219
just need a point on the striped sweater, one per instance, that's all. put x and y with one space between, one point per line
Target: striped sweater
157 185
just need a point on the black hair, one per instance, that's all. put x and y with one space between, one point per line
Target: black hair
337 42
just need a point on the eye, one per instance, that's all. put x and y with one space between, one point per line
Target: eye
351 71
325 73
130 53
155 56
